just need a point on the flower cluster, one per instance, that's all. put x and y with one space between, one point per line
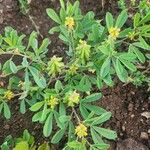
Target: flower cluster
83 51
55 65
114 32
73 69
9 95
81 130
70 23
72 98
52 102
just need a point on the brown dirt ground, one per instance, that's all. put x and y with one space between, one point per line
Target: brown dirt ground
125 102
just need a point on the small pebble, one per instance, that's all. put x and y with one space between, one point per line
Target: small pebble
132 116
146 114
7 127
123 128
144 136
130 107
149 131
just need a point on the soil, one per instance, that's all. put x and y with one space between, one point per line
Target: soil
126 103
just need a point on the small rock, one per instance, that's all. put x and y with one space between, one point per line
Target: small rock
130 107
149 131
130 144
144 136
146 114
123 128
7 127
132 116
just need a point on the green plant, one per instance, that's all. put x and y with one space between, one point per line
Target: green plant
61 93
26 142
122 4
24 6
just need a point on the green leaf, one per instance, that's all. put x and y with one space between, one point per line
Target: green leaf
44 146
58 136
7 112
105 69
84 111
92 98
44 114
47 129
26 135
109 20
43 47
120 70
122 18
128 56
38 78
129 65
109 134
23 145
103 118
102 146
37 116
96 109
145 19
37 106
52 14
13 67
32 40
136 19
138 53
22 106
75 145
62 109
62 4
58 86
63 119
54 29
104 49
95 136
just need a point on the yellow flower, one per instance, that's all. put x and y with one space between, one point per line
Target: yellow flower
114 32
9 95
55 65
132 35
70 23
21 84
73 69
72 98
81 130
52 102
83 51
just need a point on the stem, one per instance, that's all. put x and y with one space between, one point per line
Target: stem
35 25
13 54
76 115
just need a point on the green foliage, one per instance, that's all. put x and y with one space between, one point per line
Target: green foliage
24 6
61 91
26 142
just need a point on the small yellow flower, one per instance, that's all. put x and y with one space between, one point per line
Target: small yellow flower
21 84
114 32
70 23
81 130
73 69
72 98
132 35
55 65
83 51
52 102
9 95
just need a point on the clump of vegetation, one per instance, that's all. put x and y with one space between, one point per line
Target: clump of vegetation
26 142
61 93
